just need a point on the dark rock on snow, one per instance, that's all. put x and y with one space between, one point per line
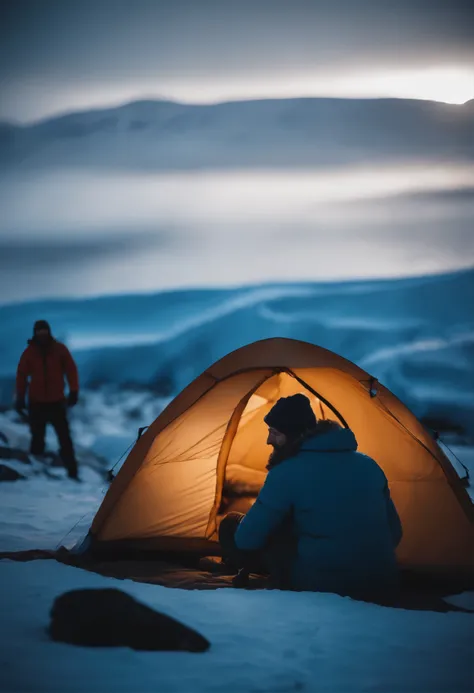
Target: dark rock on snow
110 617
7 453
8 474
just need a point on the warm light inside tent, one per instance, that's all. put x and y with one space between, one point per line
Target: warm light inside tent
255 403
248 457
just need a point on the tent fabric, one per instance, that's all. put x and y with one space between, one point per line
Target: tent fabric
169 492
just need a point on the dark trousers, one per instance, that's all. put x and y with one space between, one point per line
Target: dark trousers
274 559
40 415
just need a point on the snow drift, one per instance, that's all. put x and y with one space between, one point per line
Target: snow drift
415 335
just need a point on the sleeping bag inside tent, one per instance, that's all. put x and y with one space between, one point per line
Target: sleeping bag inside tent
206 454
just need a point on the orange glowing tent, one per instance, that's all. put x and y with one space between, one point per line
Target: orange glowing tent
169 493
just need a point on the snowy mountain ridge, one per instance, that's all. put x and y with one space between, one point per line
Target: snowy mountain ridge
162 135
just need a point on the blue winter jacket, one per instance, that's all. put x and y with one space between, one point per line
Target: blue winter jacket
345 524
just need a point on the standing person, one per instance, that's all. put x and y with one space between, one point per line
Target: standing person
323 520
41 371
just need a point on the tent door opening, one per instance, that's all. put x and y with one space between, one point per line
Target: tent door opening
248 453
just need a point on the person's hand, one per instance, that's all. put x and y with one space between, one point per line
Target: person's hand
72 399
20 406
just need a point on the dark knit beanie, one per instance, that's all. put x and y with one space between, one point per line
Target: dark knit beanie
291 415
41 325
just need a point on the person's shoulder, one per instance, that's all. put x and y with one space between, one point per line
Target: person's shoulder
59 346
28 349
365 459
60 350
370 465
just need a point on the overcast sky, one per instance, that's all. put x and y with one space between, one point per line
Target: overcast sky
58 55
70 232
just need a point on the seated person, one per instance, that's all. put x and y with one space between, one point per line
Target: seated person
324 519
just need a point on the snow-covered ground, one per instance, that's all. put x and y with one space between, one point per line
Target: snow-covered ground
43 512
261 642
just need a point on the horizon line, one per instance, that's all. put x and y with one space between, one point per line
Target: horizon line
386 279
117 105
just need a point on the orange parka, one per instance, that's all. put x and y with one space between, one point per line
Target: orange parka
42 370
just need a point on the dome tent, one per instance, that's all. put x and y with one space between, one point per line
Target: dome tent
168 495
